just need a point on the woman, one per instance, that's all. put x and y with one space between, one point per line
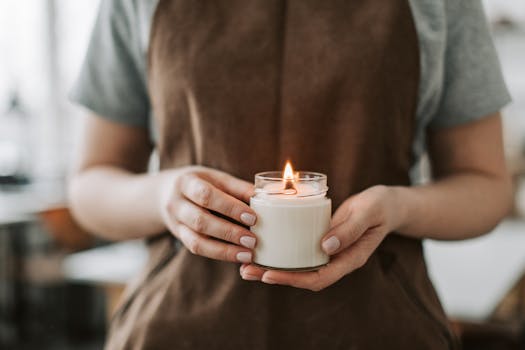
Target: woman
356 90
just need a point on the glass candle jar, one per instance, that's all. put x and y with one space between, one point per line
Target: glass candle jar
292 217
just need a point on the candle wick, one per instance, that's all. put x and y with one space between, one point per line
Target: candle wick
289 187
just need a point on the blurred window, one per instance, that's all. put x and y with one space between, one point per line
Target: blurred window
42 44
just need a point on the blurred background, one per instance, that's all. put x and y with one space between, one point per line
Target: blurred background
59 285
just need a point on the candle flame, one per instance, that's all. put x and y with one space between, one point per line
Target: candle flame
288 179
288 172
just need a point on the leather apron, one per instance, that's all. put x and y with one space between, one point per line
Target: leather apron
243 85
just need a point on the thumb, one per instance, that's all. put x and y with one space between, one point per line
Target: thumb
344 234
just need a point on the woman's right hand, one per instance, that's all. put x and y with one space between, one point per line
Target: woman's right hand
189 197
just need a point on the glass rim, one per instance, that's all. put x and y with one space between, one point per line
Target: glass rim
278 176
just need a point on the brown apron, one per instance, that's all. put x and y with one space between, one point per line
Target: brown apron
242 85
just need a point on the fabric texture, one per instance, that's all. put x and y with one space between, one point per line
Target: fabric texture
460 78
241 85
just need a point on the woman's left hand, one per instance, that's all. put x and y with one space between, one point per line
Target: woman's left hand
357 228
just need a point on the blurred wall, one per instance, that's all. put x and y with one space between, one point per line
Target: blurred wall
42 43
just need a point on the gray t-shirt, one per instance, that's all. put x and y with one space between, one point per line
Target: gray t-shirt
460 80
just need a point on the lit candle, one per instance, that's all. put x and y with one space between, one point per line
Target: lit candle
293 214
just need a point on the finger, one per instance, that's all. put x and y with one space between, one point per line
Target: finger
346 233
307 280
236 187
210 197
242 267
251 272
171 222
201 245
203 222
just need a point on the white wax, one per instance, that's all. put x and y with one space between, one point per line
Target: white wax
289 230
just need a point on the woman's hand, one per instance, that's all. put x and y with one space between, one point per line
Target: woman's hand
357 228
188 200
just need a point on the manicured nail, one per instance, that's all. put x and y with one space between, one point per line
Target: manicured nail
248 242
268 280
244 257
250 277
248 219
331 245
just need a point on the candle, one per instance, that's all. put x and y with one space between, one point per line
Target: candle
293 214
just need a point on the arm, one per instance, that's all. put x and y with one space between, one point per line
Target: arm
110 194
472 189
470 195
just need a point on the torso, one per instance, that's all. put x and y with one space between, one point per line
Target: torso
430 19
332 85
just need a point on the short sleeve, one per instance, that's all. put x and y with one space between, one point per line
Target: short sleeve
473 85
112 82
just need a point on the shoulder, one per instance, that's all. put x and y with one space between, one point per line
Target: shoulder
126 25
114 66
431 12
128 16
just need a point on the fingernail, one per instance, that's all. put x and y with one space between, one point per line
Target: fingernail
250 277
247 241
244 257
268 280
331 245
248 219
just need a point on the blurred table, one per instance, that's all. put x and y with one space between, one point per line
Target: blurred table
20 204
472 277
109 267
112 264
